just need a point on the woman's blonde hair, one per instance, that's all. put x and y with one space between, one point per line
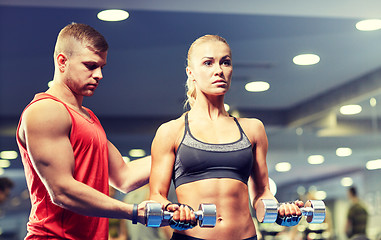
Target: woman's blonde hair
190 86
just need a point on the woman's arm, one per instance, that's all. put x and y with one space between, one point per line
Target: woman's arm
259 187
163 159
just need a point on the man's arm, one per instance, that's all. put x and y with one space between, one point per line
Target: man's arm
130 176
45 132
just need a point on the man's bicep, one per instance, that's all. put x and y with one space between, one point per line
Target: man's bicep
48 144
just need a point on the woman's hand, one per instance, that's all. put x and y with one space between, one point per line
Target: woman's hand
183 217
289 214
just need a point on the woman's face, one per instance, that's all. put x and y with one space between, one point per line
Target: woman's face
211 67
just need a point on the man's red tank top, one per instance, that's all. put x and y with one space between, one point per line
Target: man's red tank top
89 143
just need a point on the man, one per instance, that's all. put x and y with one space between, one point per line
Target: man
67 158
5 188
357 217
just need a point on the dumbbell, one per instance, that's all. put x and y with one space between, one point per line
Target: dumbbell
206 215
267 211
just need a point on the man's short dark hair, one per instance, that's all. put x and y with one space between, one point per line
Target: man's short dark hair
353 191
5 183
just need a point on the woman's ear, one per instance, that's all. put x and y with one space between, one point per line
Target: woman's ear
190 74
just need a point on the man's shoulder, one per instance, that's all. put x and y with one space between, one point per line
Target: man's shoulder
45 111
45 106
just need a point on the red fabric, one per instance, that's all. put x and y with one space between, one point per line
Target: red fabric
89 143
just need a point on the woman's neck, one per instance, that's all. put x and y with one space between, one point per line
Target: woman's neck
209 109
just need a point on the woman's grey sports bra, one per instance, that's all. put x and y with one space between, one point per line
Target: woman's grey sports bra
196 160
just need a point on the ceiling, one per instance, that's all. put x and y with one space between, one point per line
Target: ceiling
144 79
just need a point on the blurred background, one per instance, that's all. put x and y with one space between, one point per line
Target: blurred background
309 70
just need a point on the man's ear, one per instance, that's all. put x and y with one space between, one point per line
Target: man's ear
61 62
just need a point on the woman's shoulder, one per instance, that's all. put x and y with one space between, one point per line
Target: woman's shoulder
251 123
253 128
172 127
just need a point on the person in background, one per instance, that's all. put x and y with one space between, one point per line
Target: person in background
357 217
6 186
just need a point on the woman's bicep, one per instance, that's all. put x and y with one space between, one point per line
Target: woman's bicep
260 171
259 182
163 158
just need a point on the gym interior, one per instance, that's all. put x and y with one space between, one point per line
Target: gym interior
322 118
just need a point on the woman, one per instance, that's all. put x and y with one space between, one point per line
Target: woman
212 156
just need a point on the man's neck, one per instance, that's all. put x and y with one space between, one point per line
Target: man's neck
64 93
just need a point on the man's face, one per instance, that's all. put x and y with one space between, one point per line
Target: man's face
84 71
4 195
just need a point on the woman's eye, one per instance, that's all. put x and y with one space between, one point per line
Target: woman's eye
227 62
208 63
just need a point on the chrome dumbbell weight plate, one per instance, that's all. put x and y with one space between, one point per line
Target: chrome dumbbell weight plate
267 211
314 211
206 215
153 214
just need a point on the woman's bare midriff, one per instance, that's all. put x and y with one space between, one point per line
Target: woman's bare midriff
231 199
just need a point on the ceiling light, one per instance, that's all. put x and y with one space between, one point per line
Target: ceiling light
315 159
257 86
372 102
343 152
373 164
299 131
301 190
126 159
320 195
8 154
306 59
350 109
273 187
4 163
346 181
235 113
283 167
113 15
369 25
227 107
137 153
